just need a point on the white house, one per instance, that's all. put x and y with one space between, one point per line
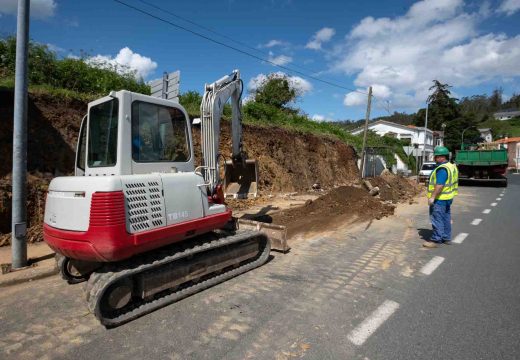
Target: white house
413 134
506 115
486 134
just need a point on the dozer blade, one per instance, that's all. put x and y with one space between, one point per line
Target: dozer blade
241 182
277 234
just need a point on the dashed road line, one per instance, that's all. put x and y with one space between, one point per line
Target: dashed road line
494 204
486 211
476 221
498 199
432 265
369 326
460 238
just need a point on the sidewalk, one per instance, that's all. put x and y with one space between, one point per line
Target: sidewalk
41 264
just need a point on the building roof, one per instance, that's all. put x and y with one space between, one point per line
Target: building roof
512 113
507 140
389 123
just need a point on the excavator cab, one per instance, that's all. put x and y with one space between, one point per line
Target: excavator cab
241 179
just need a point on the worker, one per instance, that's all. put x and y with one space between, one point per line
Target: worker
442 188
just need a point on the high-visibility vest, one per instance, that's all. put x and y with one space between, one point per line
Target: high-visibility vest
448 191
455 178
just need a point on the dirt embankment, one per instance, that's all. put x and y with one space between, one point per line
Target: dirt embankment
288 161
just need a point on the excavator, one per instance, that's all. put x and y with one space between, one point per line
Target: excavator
138 222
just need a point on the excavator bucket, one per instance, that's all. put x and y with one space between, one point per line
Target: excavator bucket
277 234
241 182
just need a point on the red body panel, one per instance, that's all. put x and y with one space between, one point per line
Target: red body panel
106 239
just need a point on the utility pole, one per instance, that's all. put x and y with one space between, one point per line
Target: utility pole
19 182
367 117
425 128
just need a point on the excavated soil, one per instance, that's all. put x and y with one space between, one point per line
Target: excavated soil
396 188
340 204
288 161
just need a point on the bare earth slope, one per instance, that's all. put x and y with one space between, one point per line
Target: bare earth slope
289 161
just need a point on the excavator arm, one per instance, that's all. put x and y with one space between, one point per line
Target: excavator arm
240 174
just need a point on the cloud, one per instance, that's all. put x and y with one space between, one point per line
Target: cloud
297 83
55 48
322 36
280 59
126 58
40 9
272 43
320 118
434 39
360 97
509 7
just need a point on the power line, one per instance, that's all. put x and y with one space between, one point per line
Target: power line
237 49
219 34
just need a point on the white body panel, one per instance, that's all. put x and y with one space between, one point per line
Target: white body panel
68 200
151 200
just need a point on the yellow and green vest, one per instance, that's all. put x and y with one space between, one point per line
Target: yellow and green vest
451 188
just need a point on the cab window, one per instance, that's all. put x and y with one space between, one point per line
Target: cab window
102 134
159 133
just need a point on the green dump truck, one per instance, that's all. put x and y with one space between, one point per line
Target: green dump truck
482 165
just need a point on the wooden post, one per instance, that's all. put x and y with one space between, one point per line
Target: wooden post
363 150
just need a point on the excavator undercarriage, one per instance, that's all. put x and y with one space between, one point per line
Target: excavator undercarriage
119 292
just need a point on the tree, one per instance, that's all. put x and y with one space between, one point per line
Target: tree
495 100
442 107
275 91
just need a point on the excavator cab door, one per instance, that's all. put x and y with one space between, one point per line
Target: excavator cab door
241 179
81 149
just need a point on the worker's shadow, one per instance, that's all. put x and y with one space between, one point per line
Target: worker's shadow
425 234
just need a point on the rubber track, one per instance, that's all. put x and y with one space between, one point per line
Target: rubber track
100 280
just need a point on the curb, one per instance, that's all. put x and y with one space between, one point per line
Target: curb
30 275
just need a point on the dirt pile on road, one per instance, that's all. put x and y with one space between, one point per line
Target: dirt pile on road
339 205
396 188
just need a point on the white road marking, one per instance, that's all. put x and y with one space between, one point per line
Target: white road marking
498 199
476 221
493 204
460 238
369 326
432 265
486 211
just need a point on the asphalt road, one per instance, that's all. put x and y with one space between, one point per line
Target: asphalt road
469 307
352 292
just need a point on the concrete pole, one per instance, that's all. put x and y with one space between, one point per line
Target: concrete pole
367 117
19 212
425 128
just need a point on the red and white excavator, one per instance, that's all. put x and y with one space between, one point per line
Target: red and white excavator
138 221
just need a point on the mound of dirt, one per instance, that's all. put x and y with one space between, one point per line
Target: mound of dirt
396 188
340 204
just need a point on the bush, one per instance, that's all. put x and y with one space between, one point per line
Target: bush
77 75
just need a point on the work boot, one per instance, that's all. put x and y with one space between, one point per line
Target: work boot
430 244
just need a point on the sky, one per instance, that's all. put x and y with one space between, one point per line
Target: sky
398 47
